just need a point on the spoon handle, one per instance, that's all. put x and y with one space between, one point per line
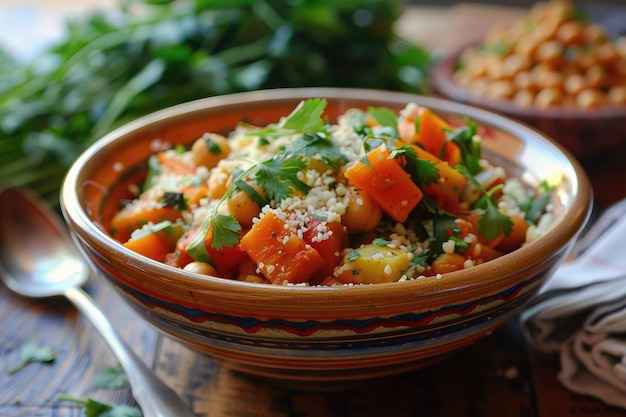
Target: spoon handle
154 397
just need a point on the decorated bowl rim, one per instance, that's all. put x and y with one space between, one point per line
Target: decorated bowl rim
523 258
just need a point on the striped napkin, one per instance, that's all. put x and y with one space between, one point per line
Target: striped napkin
580 313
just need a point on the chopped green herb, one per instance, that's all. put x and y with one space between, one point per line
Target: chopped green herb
278 176
30 352
113 377
174 200
353 255
95 408
314 145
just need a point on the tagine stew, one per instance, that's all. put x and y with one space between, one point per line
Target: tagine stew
378 197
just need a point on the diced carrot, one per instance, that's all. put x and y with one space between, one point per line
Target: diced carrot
429 130
448 262
137 214
329 239
148 245
279 253
447 191
473 218
387 183
172 164
517 236
194 193
225 259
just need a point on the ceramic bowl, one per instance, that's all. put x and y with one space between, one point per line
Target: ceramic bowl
319 335
586 133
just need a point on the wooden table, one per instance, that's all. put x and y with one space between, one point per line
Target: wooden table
497 377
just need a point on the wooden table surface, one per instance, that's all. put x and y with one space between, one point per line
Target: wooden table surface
497 377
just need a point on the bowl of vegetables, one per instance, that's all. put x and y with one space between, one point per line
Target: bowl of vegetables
555 69
325 236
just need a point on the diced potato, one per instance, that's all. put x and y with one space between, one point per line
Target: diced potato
373 263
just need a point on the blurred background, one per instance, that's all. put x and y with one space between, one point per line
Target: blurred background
73 70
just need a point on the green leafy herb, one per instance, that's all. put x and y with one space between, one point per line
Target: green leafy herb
30 352
315 145
466 139
353 255
109 68
174 200
305 118
493 222
386 118
113 377
379 241
278 176
95 408
422 171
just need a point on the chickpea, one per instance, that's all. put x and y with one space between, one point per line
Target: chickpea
548 97
200 268
596 76
218 182
571 33
524 98
243 207
500 89
362 213
252 278
607 54
590 98
524 80
594 33
574 84
514 64
551 53
545 79
617 95
209 150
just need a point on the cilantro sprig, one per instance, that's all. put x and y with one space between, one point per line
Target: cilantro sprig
95 408
493 222
32 351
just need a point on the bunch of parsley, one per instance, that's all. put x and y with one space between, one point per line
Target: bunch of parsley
112 67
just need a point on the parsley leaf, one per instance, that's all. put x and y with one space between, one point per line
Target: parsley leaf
467 140
422 171
30 352
387 119
113 377
95 408
306 117
225 231
493 222
278 176
313 145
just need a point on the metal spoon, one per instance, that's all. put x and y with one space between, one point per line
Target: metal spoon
39 259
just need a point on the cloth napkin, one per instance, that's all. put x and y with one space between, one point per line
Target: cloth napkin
580 313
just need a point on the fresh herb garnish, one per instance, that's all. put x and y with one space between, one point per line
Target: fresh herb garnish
32 351
113 377
493 222
467 140
95 408
315 145
174 200
278 176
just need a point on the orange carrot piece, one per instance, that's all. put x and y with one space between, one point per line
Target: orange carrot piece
447 191
279 253
137 214
330 247
172 164
148 245
387 183
429 130
517 236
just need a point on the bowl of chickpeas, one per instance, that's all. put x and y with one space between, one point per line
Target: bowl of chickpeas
554 69
324 237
